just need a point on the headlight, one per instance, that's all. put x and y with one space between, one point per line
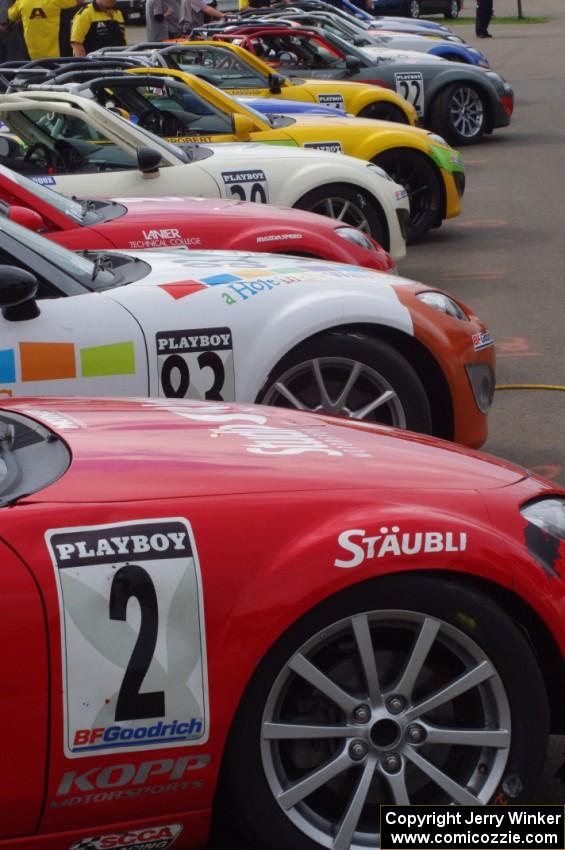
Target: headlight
437 140
355 236
547 514
443 303
380 171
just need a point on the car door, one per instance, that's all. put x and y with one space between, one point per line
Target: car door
24 706
78 345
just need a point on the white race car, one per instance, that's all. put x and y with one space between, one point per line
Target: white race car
80 148
226 326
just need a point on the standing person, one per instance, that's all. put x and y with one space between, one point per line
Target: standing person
483 17
193 12
12 44
98 24
41 21
163 19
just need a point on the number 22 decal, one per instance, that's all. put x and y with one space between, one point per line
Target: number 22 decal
132 636
410 84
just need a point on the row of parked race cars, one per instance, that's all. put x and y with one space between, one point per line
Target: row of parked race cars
225 618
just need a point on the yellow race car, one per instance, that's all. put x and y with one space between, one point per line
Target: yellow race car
239 72
184 109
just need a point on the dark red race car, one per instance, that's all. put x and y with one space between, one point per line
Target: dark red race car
265 620
174 222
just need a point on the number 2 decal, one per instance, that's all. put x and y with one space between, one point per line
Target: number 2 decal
410 85
132 636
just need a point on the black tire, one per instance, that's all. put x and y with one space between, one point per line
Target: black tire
465 631
421 180
414 8
384 111
363 210
381 369
459 112
453 11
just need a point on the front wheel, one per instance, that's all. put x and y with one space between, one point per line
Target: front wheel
353 376
399 691
384 111
459 113
349 205
420 179
453 10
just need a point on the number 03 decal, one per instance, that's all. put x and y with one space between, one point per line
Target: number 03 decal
132 636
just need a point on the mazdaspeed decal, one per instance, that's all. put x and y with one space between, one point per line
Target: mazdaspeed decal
196 364
246 184
147 838
133 640
392 542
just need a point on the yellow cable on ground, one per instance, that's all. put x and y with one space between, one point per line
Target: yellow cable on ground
530 387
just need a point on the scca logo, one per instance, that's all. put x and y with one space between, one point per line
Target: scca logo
37 12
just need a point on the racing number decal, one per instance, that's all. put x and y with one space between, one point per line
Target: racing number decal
196 364
410 84
132 636
333 100
248 185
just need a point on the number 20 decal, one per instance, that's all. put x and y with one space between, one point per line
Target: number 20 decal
247 185
132 636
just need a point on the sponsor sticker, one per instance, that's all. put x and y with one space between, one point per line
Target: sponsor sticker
410 85
166 237
132 636
247 184
393 542
149 838
334 100
330 147
196 364
482 340
45 181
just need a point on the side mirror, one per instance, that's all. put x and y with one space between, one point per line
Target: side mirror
242 127
27 218
276 82
353 64
18 289
148 161
359 41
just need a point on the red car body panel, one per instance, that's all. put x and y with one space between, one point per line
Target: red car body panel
200 223
224 469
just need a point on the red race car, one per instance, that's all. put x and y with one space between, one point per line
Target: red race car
265 621
169 222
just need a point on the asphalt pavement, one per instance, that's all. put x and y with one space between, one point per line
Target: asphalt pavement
505 255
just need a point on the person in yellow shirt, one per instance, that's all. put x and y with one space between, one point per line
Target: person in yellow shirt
96 25
41 21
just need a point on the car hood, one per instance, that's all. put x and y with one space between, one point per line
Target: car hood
215 268
127 450
392 54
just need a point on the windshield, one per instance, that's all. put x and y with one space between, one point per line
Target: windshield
175 111
66 261
219 66
54 199
31 457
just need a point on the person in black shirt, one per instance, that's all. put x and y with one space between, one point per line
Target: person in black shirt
97 24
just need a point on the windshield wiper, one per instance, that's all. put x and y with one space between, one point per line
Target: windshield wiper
102 263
